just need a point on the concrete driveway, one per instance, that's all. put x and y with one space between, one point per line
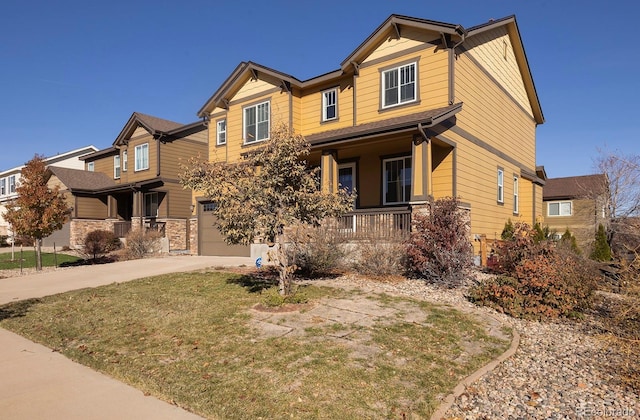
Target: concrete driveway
38 383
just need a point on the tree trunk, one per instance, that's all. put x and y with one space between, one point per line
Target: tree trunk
38 254
285 274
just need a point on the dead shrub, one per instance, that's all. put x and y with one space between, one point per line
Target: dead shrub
140 243
99 243
315 251
380 257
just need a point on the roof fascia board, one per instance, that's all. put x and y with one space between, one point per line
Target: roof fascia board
223 88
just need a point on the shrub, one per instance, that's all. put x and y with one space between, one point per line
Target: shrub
380 257
507 231
568 241
99 242
140 243
601 250
439 248
315 251
537 279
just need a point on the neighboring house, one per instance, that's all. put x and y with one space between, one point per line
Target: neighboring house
579 203
10 180
420 109
135 183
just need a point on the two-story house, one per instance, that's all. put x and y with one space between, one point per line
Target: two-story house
420 109
10 180
134 183
577 203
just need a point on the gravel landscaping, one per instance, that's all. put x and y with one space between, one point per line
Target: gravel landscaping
559 371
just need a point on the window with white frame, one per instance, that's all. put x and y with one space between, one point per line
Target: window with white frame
3 186
125 158
330 105
399 85
142 157
516 204
116 167
221 132
91 166
500 185
559 208
12 184
397 180
151 204
256 123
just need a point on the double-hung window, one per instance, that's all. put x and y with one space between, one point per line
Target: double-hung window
516 204
12 184
142 157
116 167
256 123
559 208
399 85
329 105
3 186
125 158
397 180
91 166
500 185
151 204
221 132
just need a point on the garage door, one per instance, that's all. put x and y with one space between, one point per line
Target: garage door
210 240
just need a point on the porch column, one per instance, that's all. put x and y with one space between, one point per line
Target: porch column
329 171
112 207
136 216
421 185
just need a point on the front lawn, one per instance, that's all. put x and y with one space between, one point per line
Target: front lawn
193 340
29 259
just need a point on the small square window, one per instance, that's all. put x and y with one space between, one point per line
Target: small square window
90 166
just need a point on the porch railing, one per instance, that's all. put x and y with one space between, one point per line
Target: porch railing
159 227
121 229
375 223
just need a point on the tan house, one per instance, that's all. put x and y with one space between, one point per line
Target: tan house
419 109
134 183
577 203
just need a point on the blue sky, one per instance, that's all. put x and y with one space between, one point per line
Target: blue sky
72 72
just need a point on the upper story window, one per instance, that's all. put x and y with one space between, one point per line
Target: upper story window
397 180
330 105
91 166
3 186
256 123
516 204
500 185
559 208
142 157
12 184
116 167
125 159
399 85
221 132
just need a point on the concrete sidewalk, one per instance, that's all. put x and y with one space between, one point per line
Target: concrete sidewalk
37 383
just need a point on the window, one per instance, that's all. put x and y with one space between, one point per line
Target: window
116 167
397 180
399 85
221 130
125 157
3 186
516 204
142 157
151 204
329 105
500 185
256 123
559 208
12 184
90 166
208 207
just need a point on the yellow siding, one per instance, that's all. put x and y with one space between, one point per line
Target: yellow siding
253 87
442 176
410 38
311 112
433 73
526 201
492 116
495 53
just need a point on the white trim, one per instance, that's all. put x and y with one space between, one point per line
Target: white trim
402 184
117 168
325 104
561 205
142 163
398 74
125 160
516 193
91 166
257 122
500 182
221 132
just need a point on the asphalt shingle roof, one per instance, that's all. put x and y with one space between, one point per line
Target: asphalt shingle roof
77 179
575 186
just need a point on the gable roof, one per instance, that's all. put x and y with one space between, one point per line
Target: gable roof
575 187
76 179
150 123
